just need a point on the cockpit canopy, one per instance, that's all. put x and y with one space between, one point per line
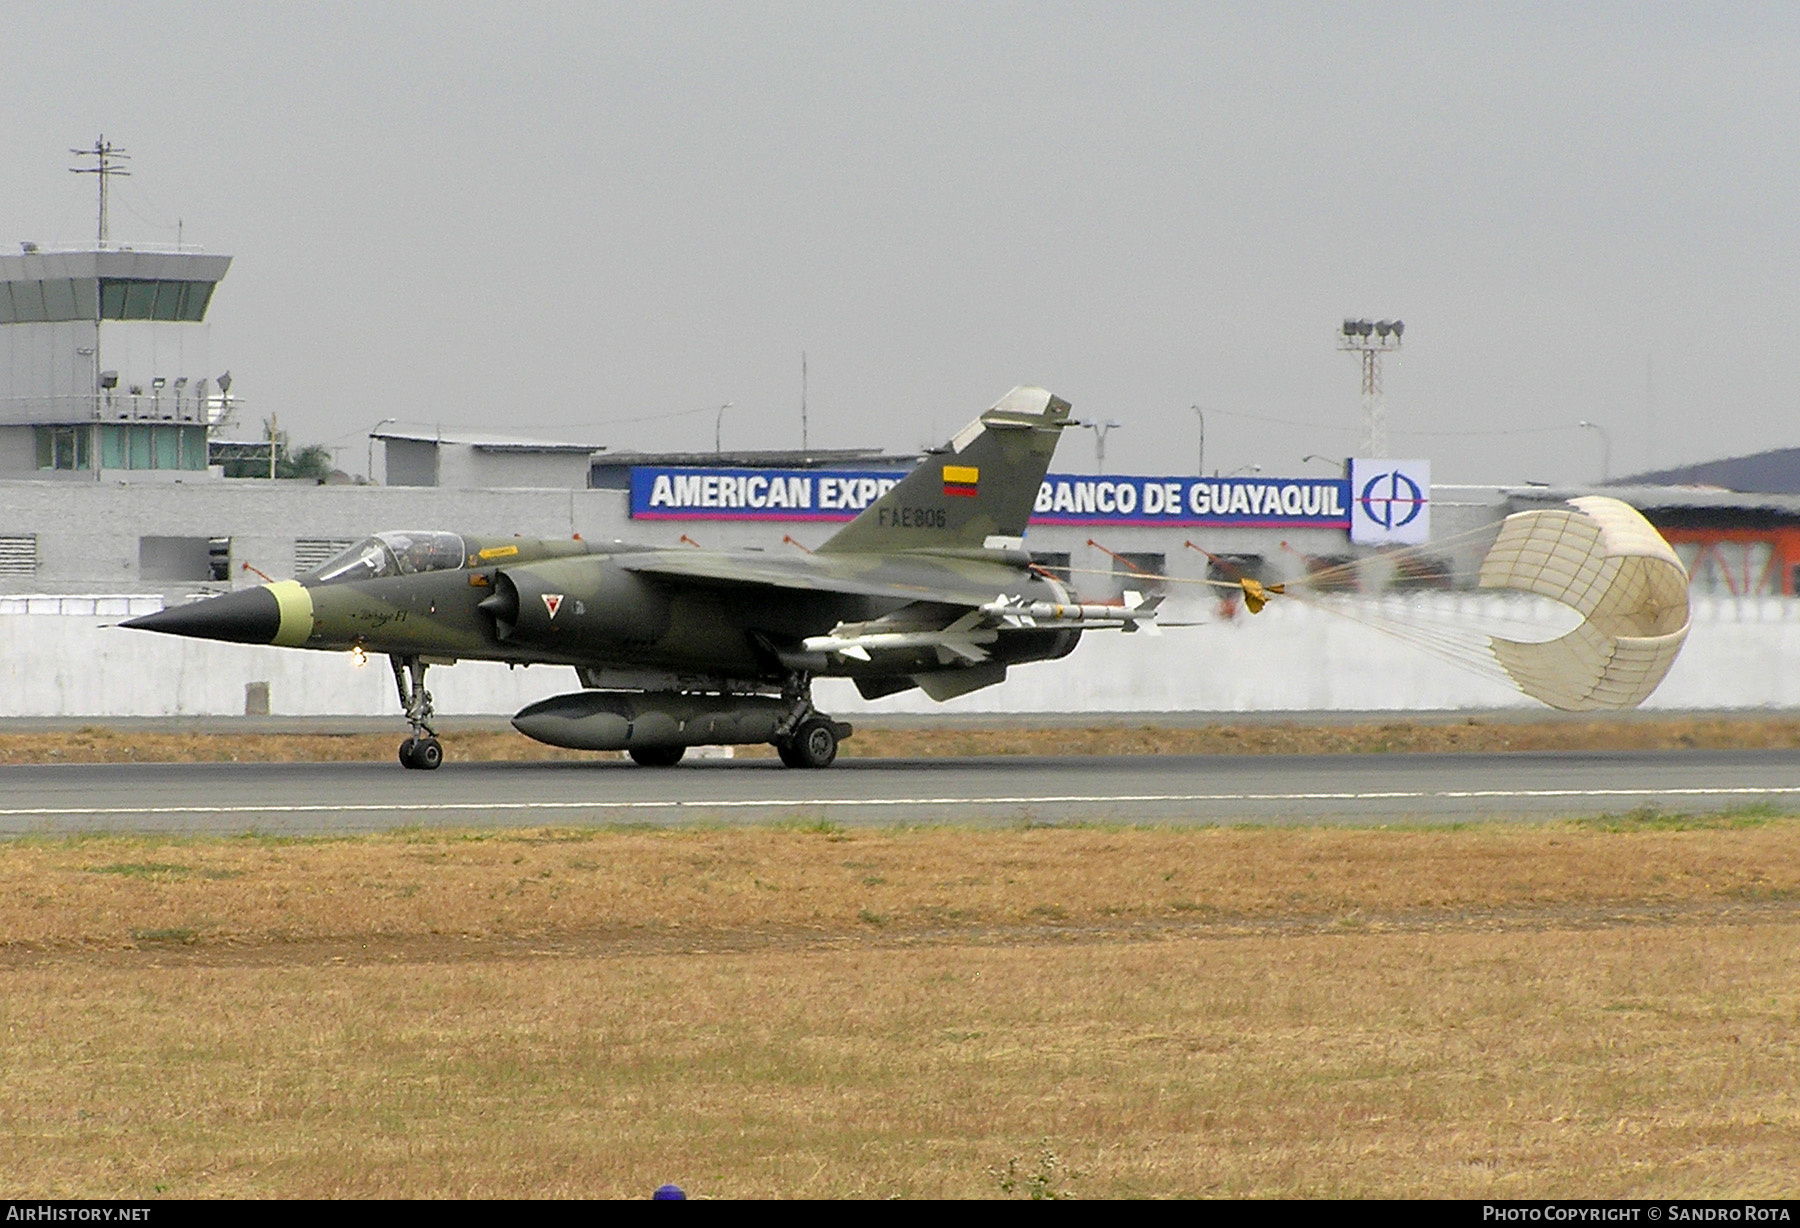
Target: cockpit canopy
401 553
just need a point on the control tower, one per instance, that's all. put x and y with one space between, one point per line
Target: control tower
103 355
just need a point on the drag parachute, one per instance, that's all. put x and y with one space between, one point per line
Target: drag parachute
1603 560
1582 605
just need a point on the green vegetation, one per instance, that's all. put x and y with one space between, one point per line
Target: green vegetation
312 461
1650 818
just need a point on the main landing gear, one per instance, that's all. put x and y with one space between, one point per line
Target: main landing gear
813 744
421 751
812 740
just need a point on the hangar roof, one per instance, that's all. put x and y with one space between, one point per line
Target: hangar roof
480 443
810 458
1665 498
1680 507
1776 471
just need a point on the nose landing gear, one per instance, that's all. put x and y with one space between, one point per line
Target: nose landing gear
423 754
421 751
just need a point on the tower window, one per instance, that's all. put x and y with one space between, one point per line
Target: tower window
64 447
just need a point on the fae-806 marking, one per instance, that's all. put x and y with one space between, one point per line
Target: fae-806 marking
911 517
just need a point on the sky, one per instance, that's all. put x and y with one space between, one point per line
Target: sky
605 221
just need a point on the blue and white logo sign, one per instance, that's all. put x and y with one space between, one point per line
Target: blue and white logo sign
1390 502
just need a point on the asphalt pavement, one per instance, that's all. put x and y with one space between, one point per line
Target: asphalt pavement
326 798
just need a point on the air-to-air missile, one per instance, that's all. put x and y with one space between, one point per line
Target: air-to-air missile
928 587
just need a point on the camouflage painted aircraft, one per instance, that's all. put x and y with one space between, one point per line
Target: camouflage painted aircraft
928 587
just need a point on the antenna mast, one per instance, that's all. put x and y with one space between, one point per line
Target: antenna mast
803 446
107 157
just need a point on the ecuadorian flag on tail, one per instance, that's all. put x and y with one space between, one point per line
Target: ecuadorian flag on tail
960 480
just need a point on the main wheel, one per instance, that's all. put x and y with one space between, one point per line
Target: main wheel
657 756
813 745
421 754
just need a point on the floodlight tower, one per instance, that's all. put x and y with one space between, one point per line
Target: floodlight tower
1372 339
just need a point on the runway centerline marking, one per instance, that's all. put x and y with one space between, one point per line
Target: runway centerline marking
840 802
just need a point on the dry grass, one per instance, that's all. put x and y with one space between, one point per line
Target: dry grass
97 892
1472 734
101 744
1602 1009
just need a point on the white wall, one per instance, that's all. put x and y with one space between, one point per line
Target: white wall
18 450
88 531
467 467
1741 654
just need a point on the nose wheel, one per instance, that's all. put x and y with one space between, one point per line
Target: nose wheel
421 751
421 754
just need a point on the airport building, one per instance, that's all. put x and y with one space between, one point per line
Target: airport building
103 363
103 530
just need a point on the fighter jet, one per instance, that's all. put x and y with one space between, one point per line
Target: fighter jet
929 587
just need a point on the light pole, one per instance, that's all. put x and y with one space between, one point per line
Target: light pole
1100 429
718 424
1314 456
372 431
1200 456
1370 339
1605 448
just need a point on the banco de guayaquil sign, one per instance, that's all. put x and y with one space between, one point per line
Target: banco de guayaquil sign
1245 502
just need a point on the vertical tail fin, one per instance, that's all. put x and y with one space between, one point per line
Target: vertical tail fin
979 487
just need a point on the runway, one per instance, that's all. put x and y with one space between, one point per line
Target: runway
328 798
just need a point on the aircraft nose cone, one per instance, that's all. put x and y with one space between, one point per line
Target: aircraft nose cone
249 616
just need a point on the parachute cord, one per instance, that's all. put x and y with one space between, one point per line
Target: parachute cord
1467 651
1323 577
1471 654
